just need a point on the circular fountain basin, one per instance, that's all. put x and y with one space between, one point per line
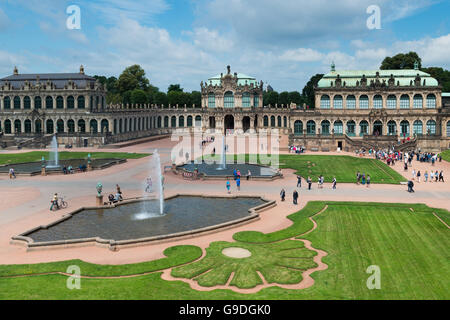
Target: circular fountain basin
236 253
127 223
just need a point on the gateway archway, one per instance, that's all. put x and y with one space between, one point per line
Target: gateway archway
229 124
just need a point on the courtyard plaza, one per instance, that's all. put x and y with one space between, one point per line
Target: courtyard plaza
24 202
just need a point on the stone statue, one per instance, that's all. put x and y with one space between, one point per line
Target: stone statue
228 69
99 189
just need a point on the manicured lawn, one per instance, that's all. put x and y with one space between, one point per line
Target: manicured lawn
344 168
446 155
411 247
33 156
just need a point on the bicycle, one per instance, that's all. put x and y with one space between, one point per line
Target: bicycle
61 204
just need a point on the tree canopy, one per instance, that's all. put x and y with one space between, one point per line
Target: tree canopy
308 90
401 61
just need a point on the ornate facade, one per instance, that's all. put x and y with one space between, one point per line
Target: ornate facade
351 107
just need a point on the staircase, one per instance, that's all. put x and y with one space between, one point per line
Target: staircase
36 142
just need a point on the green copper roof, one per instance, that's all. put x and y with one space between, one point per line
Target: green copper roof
403 77
242 80
446 94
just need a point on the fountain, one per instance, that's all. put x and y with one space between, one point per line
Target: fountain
154 178
54 157
223 156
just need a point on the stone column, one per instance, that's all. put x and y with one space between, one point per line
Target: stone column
64 102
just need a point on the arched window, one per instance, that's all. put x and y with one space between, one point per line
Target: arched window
211 100
363 128
81 126
17 126
338 127
279 122
285 121
418 128
27 103
104 125
49 126
364 102
70 102
8 126
392 128
351 102
70 126
311 127
16 102
228 99
93 125
337 102
49 102
448 129
378 102
325 102
189 121
378 128
27 126
37 102
256 100
431 101
181 122
120 126
418 101
246 100
173 122
60 126
81 102
266 121
392 102
298 127
404 102
325 127
7 102
404 128
59 102
198 121
351 128
431 127
166 121
38 126
159 122
272 121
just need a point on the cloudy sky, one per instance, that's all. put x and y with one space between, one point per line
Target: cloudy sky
282 43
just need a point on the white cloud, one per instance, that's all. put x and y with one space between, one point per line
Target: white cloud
302 55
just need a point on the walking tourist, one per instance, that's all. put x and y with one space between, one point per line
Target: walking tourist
413 173
54 202
283 194
436 176
431 176
334 183
12 174
358 177
249 174
238 183
418 176
425 176
299 181
295 196
410 186
228 186
309 181
441 176
368 181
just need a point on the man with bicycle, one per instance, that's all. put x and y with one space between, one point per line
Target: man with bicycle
54 202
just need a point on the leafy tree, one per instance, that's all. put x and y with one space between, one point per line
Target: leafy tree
196 98
283 98
295 97
160 98
113 98
401 61
308 90
175 87
441 75
132 78
138 96
270 98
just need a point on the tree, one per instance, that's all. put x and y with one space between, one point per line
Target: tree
175 87
283 98
196 98
270 98
138 96
160 98
401 61
308 90
441 75
295 97
132 78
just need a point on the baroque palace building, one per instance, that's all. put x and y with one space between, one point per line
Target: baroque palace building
353 109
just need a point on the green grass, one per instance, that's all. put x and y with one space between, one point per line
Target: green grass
344 168
412 250
33 156
446 155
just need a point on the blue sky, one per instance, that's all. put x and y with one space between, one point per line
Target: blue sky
186 41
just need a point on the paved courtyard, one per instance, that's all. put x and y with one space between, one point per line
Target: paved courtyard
25 203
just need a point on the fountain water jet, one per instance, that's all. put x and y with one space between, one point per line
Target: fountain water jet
54 156
223 156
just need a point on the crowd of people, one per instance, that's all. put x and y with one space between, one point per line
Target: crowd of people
296 149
